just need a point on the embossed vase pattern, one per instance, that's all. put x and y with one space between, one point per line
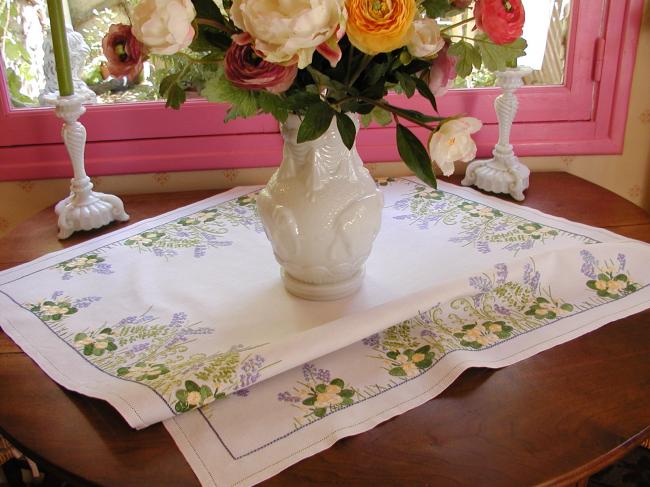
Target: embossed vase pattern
321 211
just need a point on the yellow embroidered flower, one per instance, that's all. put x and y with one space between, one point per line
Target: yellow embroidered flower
376 26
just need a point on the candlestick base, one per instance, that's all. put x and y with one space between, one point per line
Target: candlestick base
498 177
84 209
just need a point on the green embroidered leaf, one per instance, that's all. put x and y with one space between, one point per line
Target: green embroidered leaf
397 372
122 371
346 128
88 349
347 402
181 407
497 57
337 382
317 120
191 386
98 352
79 337
621 277
392 355
423 349
205 392
346 393
321 388
415 156
469 327
310 401
111 347
567 307
320 412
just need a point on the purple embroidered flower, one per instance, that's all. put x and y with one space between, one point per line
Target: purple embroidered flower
67 276
56 295
425 318
250 370
621 262
402 204
178 319
323 375
103 268
589 264
308 371
483 247
502 310
139 347
160 252
516 247
429 333
534 282
502 273
371 341
286 396
481 283
242 392
85 302
199 251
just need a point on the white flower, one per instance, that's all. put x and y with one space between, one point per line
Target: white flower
453 142
410 369
325 399
424 39
615 286
289 31
164 26
193 398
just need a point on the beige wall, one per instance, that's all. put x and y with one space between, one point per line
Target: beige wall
627 174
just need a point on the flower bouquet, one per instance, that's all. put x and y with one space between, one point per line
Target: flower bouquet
318 66
323 59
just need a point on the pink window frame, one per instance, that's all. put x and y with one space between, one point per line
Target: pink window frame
586 115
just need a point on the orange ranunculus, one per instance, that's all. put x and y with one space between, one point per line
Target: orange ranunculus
376 26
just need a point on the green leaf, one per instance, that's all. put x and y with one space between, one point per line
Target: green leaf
317 120
407 83
111 347
497 57
175 97
436 8
106 331
338 382
219 90
414 155
298 101
425 91
191 386
273 104
79 336
423 349
467 55
346 128
366 119
88 349
321 388
122 371
381 116
346 393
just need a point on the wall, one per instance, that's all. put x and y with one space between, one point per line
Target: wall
627 175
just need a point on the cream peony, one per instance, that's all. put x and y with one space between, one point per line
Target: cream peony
453 142
164 26
289 31
424 38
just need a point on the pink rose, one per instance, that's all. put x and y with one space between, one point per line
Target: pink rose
125 54
245 69
443 72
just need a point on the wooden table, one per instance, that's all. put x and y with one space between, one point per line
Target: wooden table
552 419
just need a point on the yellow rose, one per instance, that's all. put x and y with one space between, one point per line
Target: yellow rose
376 26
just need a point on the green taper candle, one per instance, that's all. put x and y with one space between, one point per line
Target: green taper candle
60 45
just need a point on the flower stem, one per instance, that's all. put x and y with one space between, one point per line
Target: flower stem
457 24
362 65
217 25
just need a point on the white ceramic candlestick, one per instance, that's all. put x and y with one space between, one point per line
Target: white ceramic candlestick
84 209
504 173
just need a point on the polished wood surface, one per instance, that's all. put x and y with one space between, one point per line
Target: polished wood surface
552 419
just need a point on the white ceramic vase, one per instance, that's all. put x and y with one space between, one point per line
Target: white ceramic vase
321 211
